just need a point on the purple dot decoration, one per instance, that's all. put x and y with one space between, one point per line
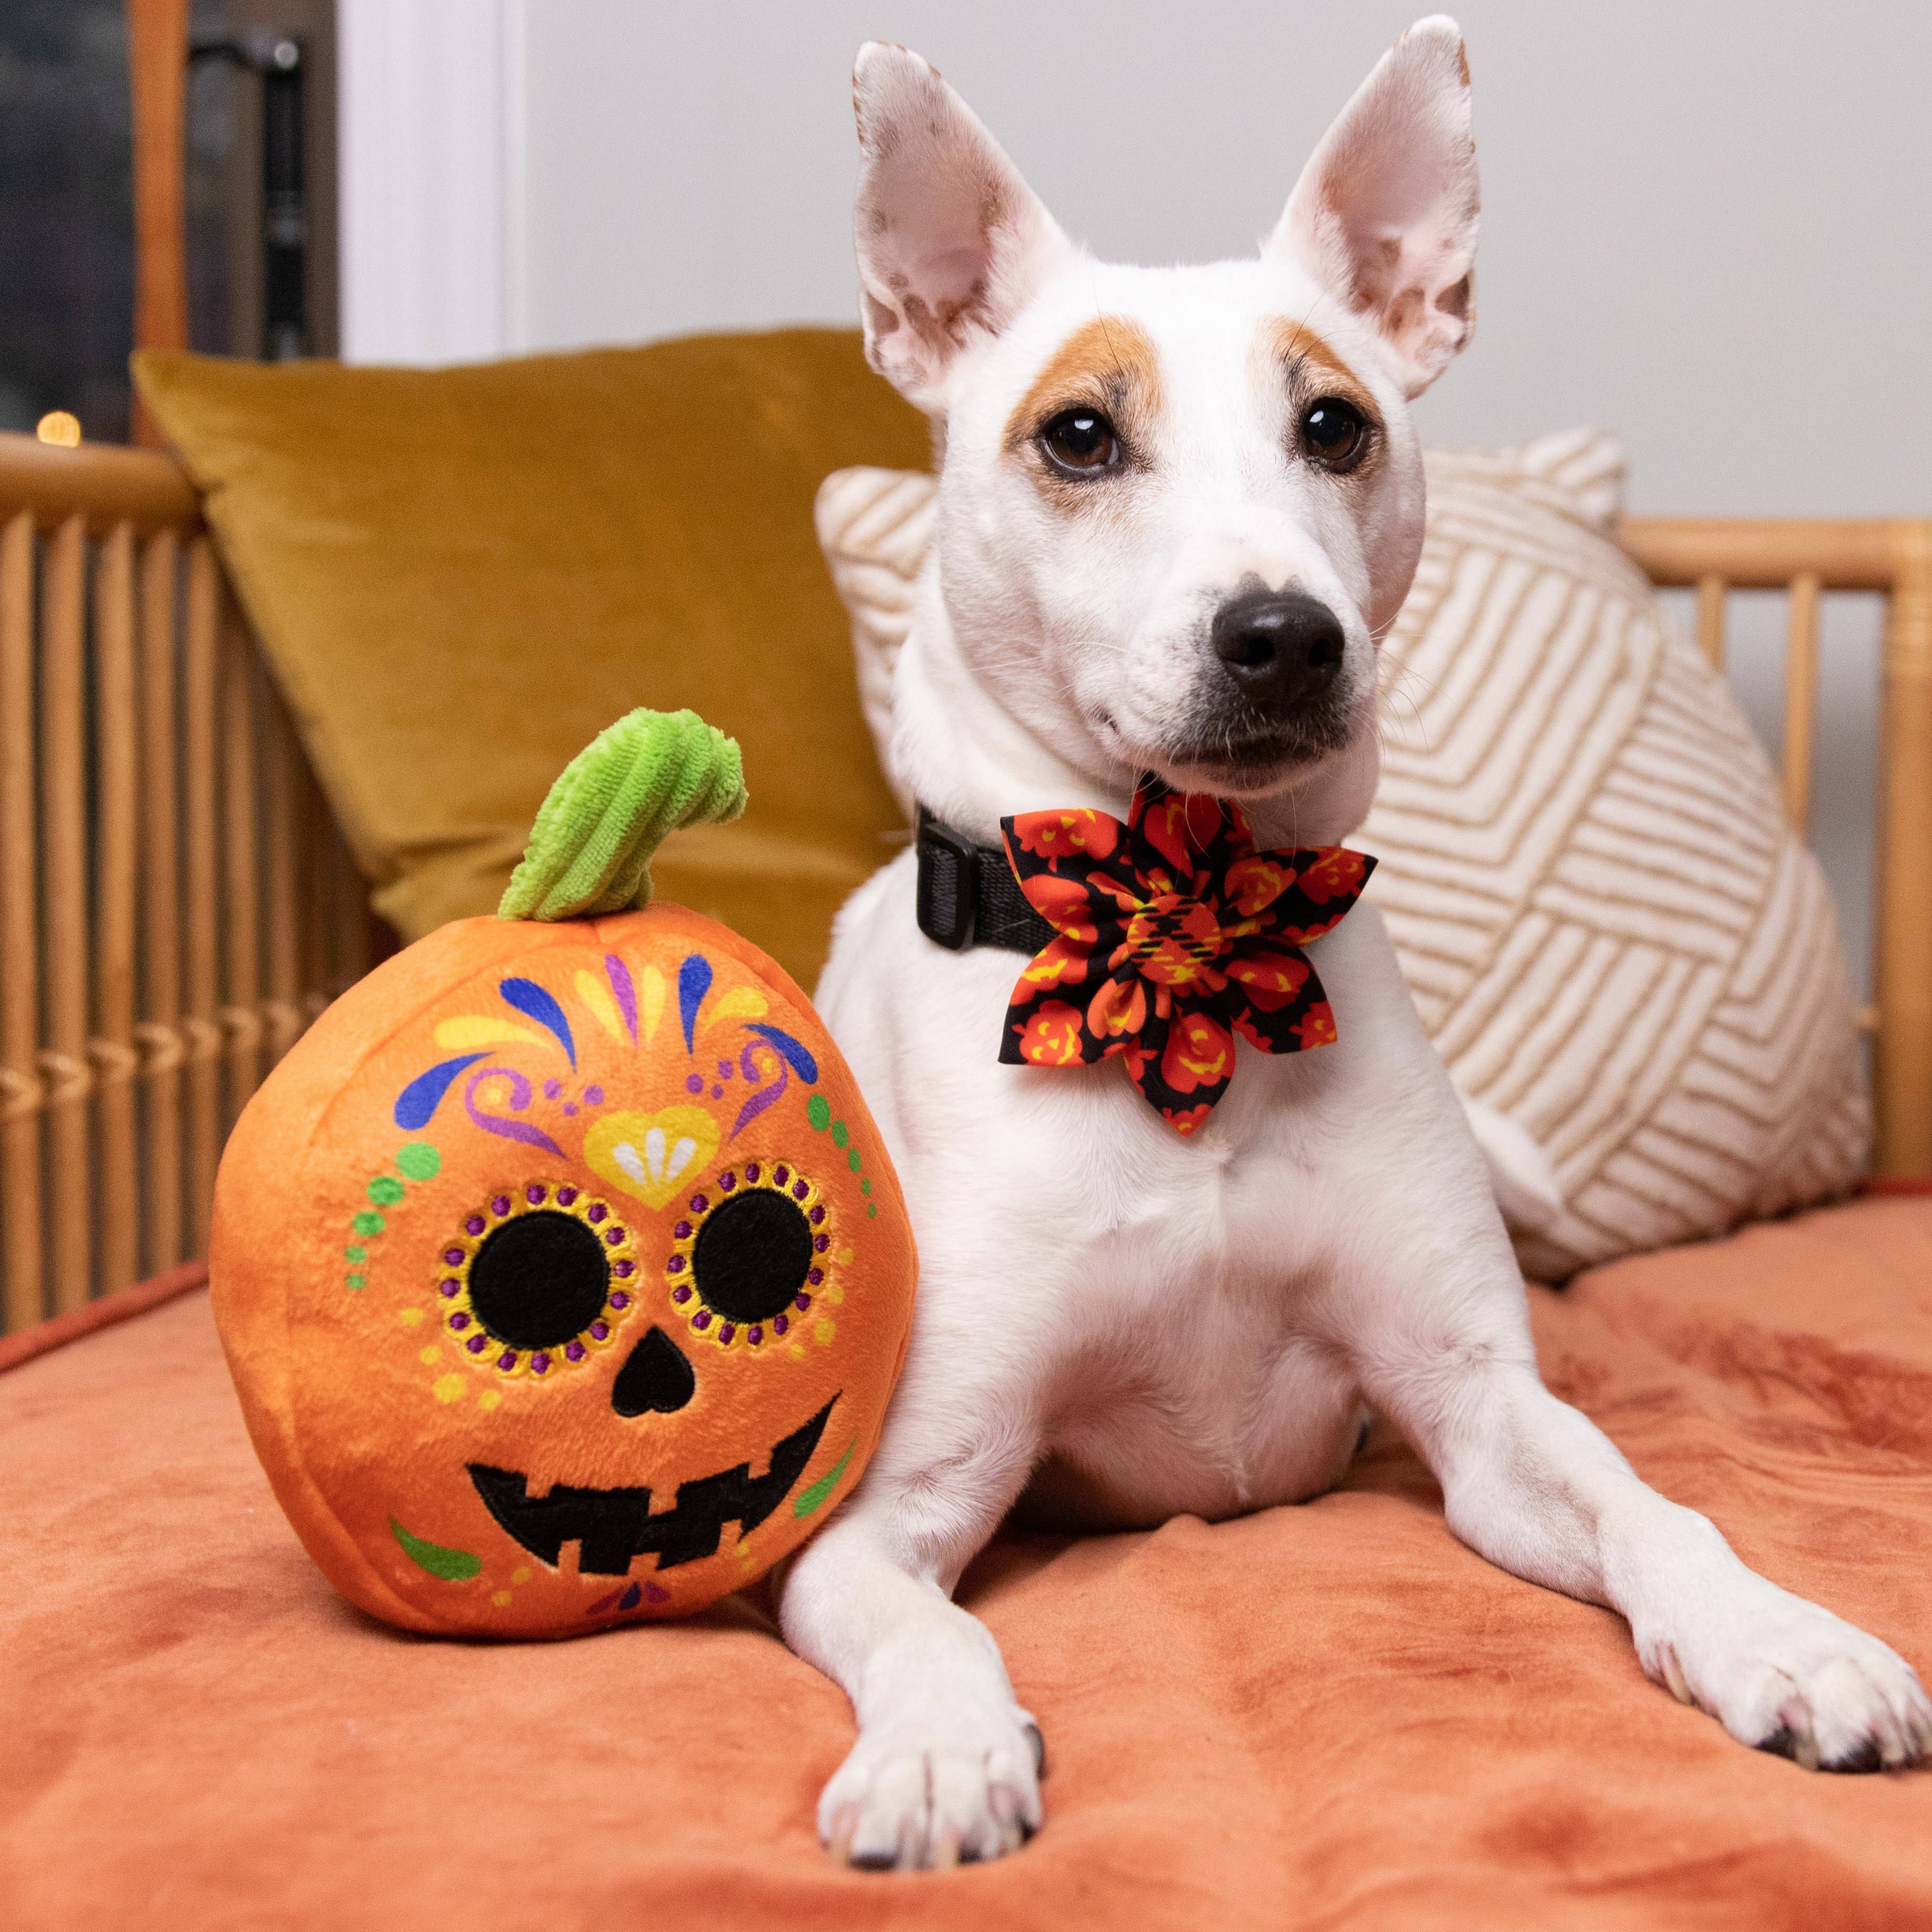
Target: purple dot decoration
754 1335
702 1319
680 1295
621 1268
751 1170
620 1300
507 1359
534 1192
717 1093
815 1275
694 1083
477 1344
801 1302
726 1182
449 1287
474 1225
675 1265
613 1238
573 1352
596 1211
725 1331
499 1203
681 1231
539 1365
593 1096
723 1069
817 1215
569 1108
800 1190
780 1175
820 1242
566 1195
552 1088
599 1331
780 1323
699 1203
459 1322
454 1256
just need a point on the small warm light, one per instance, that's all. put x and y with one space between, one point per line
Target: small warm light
57 426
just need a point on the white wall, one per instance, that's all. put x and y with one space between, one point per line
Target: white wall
1706 222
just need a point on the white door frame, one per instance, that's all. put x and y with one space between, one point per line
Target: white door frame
431 146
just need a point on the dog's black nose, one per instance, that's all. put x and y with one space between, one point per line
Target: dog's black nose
1281 647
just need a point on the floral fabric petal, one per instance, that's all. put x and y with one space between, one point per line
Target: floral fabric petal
1174 938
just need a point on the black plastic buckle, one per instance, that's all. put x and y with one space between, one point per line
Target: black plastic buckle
949 884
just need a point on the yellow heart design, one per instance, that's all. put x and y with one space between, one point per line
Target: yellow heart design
654 1156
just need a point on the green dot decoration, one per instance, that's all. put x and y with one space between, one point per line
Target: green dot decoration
418 1161
415 1160
818 1111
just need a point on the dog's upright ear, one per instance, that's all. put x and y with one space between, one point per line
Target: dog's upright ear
951 240
1385 213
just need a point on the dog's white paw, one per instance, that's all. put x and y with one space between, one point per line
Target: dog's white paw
1783 1675
921 1792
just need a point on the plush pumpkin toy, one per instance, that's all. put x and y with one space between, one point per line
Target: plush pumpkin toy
560 1268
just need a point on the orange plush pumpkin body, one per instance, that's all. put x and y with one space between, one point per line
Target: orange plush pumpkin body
563 1273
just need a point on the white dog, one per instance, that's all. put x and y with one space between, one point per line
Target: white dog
1177 508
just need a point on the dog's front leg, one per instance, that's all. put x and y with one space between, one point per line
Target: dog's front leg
947 1766
1537 1488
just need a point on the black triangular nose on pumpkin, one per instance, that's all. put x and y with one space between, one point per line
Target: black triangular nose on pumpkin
656 1380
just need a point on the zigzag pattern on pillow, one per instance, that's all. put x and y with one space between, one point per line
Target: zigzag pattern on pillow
1612 937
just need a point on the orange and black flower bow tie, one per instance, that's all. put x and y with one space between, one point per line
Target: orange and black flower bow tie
1173 934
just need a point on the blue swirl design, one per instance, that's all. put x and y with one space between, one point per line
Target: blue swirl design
417 1101
530 999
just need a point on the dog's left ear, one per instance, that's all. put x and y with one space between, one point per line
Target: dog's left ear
952 241
1385 213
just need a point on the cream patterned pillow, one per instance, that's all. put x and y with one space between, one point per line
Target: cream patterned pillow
1628 962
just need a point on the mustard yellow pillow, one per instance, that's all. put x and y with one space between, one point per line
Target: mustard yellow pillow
460 576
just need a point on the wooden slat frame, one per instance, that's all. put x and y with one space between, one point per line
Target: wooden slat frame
175 904
1804 557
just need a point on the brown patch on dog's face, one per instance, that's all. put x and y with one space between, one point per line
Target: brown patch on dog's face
1107 370
1290 352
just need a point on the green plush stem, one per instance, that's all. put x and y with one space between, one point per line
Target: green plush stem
647 775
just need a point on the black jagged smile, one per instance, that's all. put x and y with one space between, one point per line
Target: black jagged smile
612 1528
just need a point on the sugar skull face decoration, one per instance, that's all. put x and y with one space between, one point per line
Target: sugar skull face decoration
563 1275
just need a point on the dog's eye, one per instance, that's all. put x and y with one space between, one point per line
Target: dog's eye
1334 432
1080 443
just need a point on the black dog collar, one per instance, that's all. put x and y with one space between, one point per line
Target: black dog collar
968 896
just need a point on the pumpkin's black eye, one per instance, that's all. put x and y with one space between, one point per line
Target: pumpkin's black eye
1080 443
1334 432
752 1256
539 1280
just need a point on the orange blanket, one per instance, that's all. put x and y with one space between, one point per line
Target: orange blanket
1326 1716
